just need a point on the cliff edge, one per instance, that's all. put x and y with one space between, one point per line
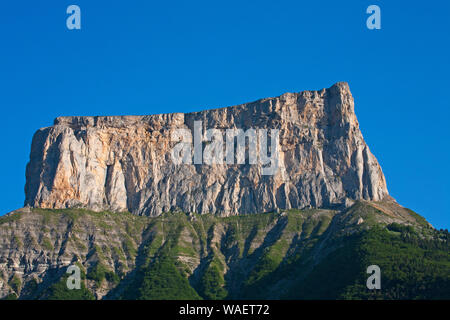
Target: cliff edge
125 163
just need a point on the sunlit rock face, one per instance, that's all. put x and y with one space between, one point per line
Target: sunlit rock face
125 163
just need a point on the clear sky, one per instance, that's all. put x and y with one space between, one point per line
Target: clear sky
146 57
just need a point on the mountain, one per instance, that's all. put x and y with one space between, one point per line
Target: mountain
149 208
295 254
125 163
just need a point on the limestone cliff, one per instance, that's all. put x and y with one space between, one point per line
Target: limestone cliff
124 163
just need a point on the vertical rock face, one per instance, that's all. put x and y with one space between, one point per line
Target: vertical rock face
125 162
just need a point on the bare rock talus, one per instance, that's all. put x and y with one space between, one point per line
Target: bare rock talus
124 162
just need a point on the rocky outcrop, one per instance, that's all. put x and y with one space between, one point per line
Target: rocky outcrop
36 246
125 163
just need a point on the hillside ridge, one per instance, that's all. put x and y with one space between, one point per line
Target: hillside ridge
116 250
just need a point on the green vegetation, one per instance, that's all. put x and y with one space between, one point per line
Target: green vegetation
421 220
47 244
212 284
160 280
15 284
59 291
18 242
10 218
297 254
129 247
161 277
99 273
411 267
11 296
256 281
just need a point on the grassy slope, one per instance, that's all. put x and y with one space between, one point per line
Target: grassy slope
300 254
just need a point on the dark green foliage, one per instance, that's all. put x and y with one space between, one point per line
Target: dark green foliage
211 284
254 285
160 280
15 284
411 268
160 277
397 227
99 273
59 291
30 289
11 296
330 277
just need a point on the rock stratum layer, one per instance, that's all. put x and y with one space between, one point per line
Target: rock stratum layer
124 163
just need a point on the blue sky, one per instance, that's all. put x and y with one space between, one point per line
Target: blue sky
146 57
